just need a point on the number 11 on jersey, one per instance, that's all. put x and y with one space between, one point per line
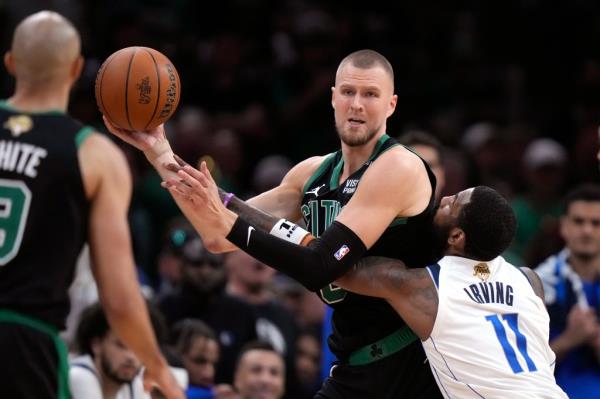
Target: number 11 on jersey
512 320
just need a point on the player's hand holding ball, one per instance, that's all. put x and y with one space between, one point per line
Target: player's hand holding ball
137 91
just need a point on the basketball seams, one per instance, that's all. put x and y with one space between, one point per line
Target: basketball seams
132 69
127 88
158 87
104 67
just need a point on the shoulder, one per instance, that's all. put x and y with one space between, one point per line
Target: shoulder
400 165
400 156
534 280
310 165
98 147
100 159
304 170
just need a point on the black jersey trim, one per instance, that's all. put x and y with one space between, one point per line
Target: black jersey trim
320 170
7 107
83 134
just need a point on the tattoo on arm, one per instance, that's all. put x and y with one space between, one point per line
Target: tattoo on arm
390 279
252 215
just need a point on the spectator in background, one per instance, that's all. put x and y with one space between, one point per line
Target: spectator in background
572 286
259 372
196 344
539 207
201 295
251 280
269 172
170 256
487 150
430 149
106 368
308 364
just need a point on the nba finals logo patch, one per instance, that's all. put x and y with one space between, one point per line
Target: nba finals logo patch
18 125
482 271
341 252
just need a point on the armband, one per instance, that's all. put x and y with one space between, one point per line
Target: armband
227 199
289 231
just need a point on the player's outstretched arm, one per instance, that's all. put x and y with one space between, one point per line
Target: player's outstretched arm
108 186
285 247
411 292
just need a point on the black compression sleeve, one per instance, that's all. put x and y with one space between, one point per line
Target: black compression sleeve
316 265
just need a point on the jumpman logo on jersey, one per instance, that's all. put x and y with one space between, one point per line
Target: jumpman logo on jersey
315 191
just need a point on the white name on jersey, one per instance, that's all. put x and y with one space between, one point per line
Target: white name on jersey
21 157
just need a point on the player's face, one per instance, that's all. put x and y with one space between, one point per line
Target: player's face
200 361
116 361
362 100
260 375
450 207
580 228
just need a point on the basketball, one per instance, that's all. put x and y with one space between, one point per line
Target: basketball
137 88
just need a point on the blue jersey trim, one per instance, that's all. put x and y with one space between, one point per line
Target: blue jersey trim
434 272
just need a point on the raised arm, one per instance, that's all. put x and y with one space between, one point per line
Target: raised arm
284 245
411 292
282 201
107 183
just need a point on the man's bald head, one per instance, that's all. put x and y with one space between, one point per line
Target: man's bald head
45 45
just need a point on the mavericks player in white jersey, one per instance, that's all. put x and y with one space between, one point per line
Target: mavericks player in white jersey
481 320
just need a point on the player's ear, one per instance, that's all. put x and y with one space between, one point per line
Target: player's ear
333 96
77 68
392 105
9 63
456 238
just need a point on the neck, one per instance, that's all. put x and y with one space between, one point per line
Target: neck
355 157
109 387
588 268
255 297
36 99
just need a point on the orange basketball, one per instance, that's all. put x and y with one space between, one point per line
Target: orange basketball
137 88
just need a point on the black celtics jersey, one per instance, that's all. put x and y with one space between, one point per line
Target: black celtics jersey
43 211
359 320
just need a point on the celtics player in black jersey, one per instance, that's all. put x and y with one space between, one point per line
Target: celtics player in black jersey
61 184
371 197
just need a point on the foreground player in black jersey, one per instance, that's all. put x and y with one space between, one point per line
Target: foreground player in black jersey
61 184
386 192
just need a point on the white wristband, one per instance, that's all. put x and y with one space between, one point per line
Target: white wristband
288 231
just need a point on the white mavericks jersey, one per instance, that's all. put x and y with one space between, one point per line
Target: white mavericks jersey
490 336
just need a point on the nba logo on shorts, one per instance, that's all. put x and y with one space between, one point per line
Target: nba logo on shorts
341 252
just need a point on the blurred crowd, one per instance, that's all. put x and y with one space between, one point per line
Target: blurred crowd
508 91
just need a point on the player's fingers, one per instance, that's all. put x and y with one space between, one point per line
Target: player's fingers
189 179
207 173
192 171
180 161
